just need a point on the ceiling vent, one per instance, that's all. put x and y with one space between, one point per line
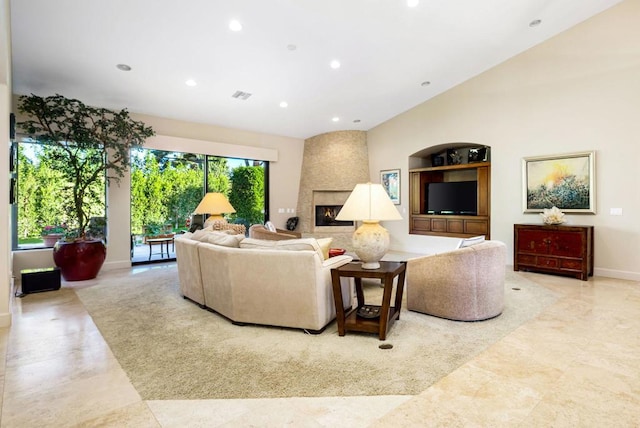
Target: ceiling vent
241 95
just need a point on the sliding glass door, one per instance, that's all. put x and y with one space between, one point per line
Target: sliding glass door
167 186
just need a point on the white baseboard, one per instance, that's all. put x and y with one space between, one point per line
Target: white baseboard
618 274
119 264
608 273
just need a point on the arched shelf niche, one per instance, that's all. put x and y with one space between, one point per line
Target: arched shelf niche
450 170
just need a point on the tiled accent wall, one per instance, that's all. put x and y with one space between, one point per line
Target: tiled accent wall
332 164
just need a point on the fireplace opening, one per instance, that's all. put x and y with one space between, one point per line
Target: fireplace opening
326 216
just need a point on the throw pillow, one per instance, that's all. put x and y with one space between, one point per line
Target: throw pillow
201 235
270 226
302 244
470 241
325 244
263 244
225 239
309 244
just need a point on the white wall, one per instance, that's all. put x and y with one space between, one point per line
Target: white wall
5 109
576 92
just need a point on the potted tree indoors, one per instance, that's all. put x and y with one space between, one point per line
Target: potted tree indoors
91 148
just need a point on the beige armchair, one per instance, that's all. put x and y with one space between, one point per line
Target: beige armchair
465 284
259 231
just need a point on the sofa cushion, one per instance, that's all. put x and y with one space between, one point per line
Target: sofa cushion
325 244
225 239
302 244
201 235
185 235
258 243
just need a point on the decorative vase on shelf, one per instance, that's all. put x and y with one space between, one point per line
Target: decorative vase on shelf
51 239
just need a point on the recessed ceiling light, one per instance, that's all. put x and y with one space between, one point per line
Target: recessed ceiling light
535 23
123 67
292 47
190 82
235 25
335 64
425 83
356 121
412 3
284 104
336 119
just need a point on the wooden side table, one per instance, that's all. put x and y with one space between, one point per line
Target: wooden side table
161 240
387 313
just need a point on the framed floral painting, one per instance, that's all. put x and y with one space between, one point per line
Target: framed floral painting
390 180
565 181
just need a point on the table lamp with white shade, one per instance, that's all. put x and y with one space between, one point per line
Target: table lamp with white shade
214 204
369 203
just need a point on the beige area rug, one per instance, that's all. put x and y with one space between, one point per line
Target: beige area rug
172 349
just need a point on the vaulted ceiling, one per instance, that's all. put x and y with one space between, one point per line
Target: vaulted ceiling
391 56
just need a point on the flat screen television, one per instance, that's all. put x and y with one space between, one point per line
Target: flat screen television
454 197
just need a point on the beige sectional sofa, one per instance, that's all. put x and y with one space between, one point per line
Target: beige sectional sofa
252 281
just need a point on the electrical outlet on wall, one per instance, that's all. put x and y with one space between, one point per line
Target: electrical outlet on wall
615 211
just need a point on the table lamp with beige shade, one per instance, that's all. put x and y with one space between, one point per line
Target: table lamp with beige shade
214 204
369 203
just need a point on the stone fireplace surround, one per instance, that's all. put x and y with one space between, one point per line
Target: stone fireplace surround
332 164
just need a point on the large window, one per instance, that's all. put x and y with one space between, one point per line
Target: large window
165 189
167 186
43 198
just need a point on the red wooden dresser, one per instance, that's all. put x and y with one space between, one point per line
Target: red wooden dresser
559 249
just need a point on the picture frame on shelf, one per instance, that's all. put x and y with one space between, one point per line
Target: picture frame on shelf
477 154
390 180
566 181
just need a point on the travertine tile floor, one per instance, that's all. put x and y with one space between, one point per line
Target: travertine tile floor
576 365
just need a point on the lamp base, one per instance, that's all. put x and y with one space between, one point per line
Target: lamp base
370 243
212 219
370 265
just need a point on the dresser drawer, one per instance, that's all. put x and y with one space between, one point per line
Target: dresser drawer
525 259
571 264
549 262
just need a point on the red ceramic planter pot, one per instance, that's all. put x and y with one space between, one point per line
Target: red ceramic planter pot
79 261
